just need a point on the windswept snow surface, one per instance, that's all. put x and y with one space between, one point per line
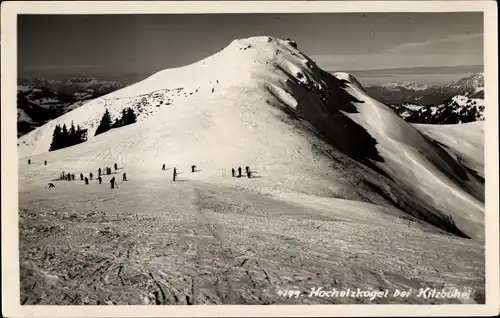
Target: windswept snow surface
464 141
310 138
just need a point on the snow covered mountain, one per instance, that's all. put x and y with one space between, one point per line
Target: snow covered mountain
457 110
40 100
262 102
428 95
408 85
343 192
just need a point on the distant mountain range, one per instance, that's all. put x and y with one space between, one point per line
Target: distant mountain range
461 101
427 95
40 100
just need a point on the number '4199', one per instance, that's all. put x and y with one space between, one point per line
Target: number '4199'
289 293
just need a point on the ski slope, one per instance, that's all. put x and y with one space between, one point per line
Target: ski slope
155 242
263 103
340 186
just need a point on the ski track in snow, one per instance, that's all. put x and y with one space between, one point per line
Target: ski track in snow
159 242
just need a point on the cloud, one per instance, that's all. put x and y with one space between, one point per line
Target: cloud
434 52
455 38
351 62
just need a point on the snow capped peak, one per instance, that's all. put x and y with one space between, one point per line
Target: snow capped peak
473 83
409 85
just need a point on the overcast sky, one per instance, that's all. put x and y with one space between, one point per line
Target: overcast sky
109 45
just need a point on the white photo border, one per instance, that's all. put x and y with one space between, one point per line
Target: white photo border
10 254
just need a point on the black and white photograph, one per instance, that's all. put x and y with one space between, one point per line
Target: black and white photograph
250 158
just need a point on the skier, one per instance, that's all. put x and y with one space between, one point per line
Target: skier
116 166
213 89
99 179
45 162
192 168
81 176
125 177
99 171
239 172
91 175
163 167
108 169
233 172
69 176
247 168
86 180
249 173
113 183
73 177
29 161
175 173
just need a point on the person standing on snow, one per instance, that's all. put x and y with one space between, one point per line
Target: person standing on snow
233 171
86 180
91 175
99 171
192 168
116 166
99 179
125 177
163 167
239 172
174 174
113 183
81 176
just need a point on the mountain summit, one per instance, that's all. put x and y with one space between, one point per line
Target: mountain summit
262 102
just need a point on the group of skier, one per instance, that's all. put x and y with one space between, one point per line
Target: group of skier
113 183
174 173
193 169
247 169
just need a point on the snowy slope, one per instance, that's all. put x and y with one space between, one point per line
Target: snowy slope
464 141
261 102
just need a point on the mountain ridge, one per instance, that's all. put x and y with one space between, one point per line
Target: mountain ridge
428 95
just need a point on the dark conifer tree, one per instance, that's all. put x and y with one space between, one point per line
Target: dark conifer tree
130 116
105 123
65 137
56 139
72 135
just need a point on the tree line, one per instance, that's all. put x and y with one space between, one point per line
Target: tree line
64 137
